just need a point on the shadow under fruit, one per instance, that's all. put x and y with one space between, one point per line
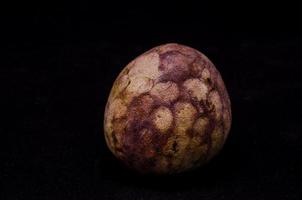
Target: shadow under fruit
168 111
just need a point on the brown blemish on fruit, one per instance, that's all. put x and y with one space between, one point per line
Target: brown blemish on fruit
168 111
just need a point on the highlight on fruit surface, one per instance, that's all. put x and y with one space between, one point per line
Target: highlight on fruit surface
168 111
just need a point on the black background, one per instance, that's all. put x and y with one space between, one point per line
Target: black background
58 64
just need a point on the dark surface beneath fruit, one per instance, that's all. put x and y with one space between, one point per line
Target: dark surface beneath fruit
57 73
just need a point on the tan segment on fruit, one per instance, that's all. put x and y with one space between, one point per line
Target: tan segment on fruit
139 85
195 152
168 47
217 138
175 62
215 100
184 117
118 131
205 74
162 118
227 122
166 92
120 84
200 126
176 149
117 108
145 66
198 150
196 88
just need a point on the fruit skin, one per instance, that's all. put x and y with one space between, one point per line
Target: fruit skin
168 111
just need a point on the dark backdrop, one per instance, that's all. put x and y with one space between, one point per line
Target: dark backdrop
58 64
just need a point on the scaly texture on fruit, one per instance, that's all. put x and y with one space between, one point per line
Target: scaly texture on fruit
168 111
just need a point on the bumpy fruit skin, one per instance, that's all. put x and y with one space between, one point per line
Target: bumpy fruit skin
168 111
